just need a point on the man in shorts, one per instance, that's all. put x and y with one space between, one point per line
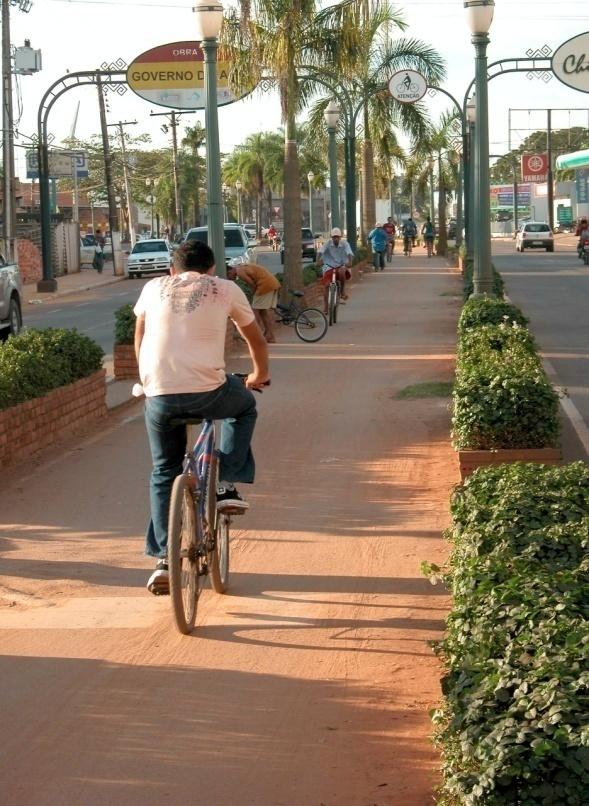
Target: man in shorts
335 256
266 288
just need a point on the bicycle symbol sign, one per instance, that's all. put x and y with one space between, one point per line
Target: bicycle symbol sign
407 86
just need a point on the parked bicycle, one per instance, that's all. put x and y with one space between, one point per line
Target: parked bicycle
198 535
310 324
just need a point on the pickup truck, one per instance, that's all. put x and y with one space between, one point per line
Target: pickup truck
10 299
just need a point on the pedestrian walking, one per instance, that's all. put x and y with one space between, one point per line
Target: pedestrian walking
98 259
379 240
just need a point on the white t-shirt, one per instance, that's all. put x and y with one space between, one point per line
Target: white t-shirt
183 348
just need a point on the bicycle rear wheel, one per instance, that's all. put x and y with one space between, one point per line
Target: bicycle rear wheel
311 324
183 555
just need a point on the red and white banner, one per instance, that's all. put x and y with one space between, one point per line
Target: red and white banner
534 167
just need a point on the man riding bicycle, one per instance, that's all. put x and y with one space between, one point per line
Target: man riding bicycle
409 234
390 230
336 257
180 344
429 233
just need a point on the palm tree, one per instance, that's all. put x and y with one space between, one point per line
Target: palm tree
366 63
192 168
437 144
271 40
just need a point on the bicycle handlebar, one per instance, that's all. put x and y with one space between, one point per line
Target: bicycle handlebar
244 375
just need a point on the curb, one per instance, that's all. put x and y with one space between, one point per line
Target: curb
67 291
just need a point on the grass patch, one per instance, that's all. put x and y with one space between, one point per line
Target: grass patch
428 389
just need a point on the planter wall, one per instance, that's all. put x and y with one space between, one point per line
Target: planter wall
470 460
125 363
39 423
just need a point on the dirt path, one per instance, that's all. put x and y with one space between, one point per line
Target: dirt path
311 682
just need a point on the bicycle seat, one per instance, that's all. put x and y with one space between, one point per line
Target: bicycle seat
297 293
186 421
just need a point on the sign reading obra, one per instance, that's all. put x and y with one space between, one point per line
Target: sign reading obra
173 75
570 62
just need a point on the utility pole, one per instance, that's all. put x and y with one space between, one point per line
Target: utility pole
174 117
9 216
120 126
113 218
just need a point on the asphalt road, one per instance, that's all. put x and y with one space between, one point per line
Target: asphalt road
553 291
91 312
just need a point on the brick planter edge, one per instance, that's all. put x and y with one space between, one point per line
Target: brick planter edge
469 460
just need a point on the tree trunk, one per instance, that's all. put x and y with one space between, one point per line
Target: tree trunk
259 215
269 202
368 199
443 235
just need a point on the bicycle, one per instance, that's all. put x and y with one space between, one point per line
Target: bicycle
310 324
407 245
198 535
390 249
333 296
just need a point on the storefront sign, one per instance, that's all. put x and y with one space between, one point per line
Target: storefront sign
570 63
407 86
534 167
581 185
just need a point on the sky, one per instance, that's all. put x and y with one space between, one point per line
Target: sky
84 34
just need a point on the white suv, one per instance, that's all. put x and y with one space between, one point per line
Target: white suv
534 235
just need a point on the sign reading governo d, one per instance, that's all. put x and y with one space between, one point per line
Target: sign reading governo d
570 63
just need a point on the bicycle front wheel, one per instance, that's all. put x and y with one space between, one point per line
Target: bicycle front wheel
311 324
183 555
220 560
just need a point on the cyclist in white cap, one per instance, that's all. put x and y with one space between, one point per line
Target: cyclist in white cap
335 256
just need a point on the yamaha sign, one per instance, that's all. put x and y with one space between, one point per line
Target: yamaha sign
570 63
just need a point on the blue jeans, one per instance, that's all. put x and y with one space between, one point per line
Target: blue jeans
232 403
378 259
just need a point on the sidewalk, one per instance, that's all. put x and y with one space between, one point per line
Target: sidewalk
315 673
84 280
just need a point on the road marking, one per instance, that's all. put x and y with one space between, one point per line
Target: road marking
82 304
569 408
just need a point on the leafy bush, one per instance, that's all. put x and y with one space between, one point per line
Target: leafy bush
514 724
502 396
476 312
362 253
125 324
311 273
37 361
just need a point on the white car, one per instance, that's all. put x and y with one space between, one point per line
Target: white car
151 256
534 235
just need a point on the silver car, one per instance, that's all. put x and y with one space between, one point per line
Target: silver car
10 299
237 242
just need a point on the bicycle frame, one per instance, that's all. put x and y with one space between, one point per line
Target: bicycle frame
197 464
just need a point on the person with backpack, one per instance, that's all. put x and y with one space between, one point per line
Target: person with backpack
409 234
429 233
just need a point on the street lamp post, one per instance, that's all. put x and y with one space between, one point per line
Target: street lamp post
224 190
469 174
310 177
332 116
480 17
238 187
209 18
149 183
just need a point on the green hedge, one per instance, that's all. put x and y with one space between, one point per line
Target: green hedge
514 723
37 361
477 312
502 396
125 324
362 253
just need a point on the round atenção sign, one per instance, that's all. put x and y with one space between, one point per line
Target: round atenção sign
570 62
407 86
173 75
